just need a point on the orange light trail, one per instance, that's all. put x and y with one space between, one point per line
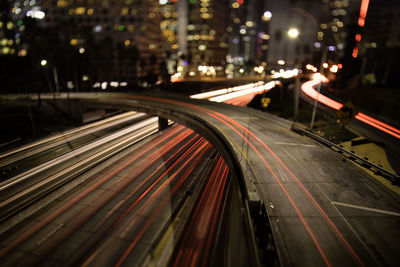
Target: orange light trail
197 240
308 89
198 152
220 117
355 52
84 193
230 122
363 12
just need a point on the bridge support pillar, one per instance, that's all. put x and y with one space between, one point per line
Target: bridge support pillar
162 124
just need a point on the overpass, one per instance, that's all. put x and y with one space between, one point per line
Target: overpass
320 209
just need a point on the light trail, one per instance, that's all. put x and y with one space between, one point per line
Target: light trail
21 238
222 118
61 138
308 89
230 122
127 180
200 150
254 90
195 244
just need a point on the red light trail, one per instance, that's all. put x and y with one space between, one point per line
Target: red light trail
308 89
229 122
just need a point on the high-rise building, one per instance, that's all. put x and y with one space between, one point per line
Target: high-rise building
8 36
195 31
373 44
125 23
248 36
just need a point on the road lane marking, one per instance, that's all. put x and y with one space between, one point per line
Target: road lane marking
366 208
293 144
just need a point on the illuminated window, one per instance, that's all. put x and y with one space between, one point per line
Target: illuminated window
62 3
10 25
125 11
80 11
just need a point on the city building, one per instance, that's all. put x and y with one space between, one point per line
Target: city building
195 36
117 40
9 36
248 37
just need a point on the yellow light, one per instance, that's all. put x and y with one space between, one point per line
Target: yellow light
265 37
229 29
73 42
235 5
80 10
127 42
325 65
131 28
196 37
10 25
174 46
90 11
293 33
203 10
125 11
62 3
249 23
6 50
22 53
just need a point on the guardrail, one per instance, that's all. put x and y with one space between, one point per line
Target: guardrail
394 178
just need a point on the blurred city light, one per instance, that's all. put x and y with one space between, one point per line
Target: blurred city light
43 62
334 68
293 33
267 16
281 62
36 14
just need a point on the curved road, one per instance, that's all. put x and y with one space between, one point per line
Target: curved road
321 209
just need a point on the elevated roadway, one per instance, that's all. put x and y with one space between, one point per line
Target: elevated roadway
322 210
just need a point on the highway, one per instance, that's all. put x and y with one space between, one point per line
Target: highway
21 159
321 209
115 213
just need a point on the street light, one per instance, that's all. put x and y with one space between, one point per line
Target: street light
43 62
294 33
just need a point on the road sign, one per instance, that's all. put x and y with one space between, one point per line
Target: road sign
265 101
346 113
